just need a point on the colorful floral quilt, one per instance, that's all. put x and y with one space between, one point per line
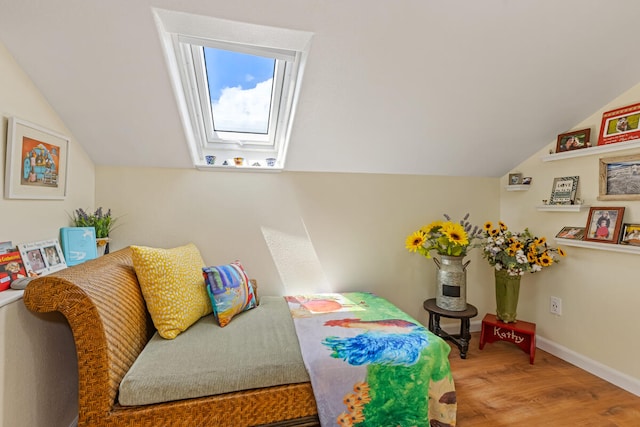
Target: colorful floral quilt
371 364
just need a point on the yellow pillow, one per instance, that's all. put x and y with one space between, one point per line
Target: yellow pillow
173 287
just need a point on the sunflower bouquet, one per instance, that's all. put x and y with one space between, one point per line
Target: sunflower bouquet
516 253
444 237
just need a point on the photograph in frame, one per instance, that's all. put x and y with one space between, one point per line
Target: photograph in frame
620 178
515 178
573 233
43 257
620 125
630 235
604 224
36 162
564 190
574 140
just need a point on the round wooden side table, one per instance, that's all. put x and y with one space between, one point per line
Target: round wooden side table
462 339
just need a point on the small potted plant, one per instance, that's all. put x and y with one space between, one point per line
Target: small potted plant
103 223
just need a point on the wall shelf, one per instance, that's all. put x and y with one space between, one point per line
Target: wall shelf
599 246
522 187
598 149
562 208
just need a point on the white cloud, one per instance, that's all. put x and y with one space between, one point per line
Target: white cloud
243 110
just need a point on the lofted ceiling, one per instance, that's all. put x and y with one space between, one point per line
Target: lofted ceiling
434 87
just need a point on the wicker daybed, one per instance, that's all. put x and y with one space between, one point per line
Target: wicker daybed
102 301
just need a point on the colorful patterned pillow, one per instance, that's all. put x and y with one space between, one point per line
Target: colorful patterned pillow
172 286
230 291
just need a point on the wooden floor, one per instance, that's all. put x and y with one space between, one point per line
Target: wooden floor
497 387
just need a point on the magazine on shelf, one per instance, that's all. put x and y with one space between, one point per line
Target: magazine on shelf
43 257
78 244
11 268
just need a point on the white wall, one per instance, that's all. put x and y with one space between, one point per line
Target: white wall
599 289
38 375
302 232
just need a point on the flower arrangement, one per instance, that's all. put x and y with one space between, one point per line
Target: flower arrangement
102 222
444 237
517 253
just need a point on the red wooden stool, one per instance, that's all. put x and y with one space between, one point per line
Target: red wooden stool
521 333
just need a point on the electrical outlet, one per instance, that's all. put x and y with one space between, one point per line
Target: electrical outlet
555 306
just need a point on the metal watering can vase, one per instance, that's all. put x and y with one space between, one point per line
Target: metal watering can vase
451 278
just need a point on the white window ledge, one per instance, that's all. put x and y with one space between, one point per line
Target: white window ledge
232 168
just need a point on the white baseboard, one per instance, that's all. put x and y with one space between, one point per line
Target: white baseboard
624 381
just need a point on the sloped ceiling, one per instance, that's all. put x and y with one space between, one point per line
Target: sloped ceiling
437 87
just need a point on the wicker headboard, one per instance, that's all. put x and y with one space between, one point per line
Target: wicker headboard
103 304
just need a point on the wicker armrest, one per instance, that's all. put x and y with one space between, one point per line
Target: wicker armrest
105 309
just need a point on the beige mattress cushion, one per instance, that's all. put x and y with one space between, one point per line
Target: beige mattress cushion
258 349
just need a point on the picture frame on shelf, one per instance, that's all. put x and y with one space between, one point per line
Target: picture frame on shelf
36 163
6 247
604 224
570 232
564 190
630 235
620 125
620 178
42 257
574 140
515 179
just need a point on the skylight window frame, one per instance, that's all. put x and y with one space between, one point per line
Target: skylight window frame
290 46
278 108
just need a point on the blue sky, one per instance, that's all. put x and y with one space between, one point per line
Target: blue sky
240 88
234 69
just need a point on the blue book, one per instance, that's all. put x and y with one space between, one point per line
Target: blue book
78 244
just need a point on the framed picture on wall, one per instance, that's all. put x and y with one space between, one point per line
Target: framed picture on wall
630 235
36 162
574 140
620 125
515 178
604 224
564 190
573 233
620 178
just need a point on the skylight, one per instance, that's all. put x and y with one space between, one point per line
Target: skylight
236 85
240 87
